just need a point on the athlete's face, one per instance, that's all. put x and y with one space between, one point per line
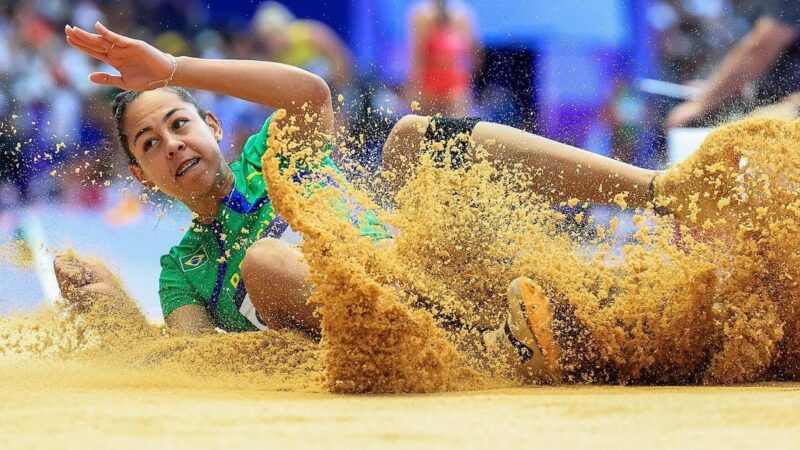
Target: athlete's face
175 148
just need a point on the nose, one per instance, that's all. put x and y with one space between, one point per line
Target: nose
174 146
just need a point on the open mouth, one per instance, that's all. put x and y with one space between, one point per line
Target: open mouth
188 164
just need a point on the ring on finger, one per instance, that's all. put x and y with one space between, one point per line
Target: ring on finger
110 48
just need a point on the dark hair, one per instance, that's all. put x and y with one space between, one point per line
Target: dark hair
125 98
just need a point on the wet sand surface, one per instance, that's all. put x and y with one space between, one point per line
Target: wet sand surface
72 411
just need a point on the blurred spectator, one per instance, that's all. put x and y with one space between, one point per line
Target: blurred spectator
42 96
56 134
762 68
309 44
444 50
694 35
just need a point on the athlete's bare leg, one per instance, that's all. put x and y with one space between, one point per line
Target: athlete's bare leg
562 171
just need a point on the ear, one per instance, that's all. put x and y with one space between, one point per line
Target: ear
137 173
216 126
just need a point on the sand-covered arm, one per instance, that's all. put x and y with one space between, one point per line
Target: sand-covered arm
184 309
89 288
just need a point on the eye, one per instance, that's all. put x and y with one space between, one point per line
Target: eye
179 123
149 143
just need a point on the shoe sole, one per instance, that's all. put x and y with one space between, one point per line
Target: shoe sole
533 309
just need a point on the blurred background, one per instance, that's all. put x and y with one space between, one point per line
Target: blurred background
589 73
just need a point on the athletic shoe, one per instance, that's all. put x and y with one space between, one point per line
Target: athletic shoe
527 335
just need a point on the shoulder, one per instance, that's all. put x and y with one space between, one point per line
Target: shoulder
256 144
192 251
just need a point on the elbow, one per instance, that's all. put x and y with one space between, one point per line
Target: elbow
312 97
321 102
319 93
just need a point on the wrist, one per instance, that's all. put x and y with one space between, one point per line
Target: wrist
180 70
168 80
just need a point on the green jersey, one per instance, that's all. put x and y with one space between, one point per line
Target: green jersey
204 268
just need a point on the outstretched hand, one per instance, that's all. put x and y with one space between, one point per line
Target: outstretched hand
79 279
141 66
684 114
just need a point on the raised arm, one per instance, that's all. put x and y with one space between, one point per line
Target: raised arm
143 67
753 56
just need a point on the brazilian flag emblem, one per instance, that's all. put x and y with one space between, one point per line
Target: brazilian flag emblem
195 260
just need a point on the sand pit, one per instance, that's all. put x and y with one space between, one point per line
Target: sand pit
63 406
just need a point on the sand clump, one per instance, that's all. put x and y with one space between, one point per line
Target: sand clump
372 340
17 253
712 303
108 334
745 179
711 298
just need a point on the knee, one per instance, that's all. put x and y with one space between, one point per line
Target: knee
409 128
260 269
275 276
406 135
264 258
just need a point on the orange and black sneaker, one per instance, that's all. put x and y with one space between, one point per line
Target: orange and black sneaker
539 333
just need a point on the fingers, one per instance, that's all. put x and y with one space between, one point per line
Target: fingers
102 40
80 280
97 289
67 280
78 45
71 271
100 271
70 274
91 40
107 79
99 47
70 277
68 269
120 40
